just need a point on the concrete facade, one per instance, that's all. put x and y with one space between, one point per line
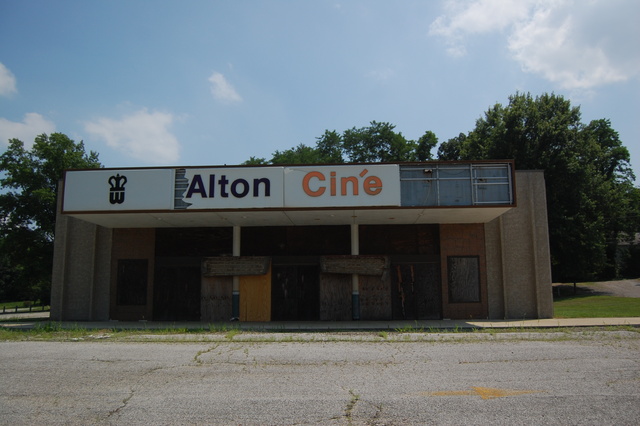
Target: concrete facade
512 252
81 280
518 257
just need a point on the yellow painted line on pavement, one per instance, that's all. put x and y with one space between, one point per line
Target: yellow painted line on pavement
484 393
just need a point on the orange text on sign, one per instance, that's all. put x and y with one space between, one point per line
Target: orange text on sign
315 184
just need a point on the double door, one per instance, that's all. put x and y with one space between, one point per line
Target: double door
295 292
415 289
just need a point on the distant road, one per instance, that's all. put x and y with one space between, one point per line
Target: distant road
24 315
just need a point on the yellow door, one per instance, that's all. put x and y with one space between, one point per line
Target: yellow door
255 297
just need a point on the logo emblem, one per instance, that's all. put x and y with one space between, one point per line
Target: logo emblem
116 193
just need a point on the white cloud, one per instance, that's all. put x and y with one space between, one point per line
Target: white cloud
381 74
574 44
222 90
477 17
7 81
142 135
32 125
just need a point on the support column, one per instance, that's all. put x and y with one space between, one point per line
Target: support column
235 295
355 284
503 269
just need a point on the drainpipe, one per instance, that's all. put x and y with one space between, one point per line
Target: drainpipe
235 296
355 287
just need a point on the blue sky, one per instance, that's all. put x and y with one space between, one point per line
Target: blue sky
155 82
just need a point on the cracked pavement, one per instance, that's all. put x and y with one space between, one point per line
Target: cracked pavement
592 380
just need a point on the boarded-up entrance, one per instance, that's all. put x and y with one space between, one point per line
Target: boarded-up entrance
335 297
375 297
295 292
215 303
255 297
415 289
176 292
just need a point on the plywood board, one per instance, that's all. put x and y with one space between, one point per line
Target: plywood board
235 266
375 297
415 291
215 300
295 293
335 297
255 297
362 265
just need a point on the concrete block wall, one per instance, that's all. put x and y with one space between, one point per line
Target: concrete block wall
81 276
518 258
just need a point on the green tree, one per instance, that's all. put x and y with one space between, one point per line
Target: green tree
255 161
450 150
425 144
301 154
330 147
28 206
378 142
612 182
587 174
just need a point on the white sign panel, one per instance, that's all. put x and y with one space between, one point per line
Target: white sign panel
118 190
342 186
230 188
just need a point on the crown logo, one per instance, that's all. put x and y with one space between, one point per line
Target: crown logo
116 193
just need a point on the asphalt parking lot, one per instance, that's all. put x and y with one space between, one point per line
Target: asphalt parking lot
570 377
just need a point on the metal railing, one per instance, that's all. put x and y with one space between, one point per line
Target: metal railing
446 184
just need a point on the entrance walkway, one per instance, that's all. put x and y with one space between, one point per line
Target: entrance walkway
31 320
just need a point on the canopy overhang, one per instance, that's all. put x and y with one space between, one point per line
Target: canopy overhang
391 216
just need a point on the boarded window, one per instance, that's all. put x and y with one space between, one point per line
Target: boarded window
464 279
132 282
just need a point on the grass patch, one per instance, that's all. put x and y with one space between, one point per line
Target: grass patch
590 306
46 330
232 333
410 328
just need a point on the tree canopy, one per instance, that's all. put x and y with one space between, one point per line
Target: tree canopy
588 176
28 206
378 142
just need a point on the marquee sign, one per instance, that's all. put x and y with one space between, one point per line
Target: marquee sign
118 190
342 186
231 188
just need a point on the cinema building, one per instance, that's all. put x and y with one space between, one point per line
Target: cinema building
406 241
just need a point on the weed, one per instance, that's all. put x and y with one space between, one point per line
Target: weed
220 328
406 329
232 333
198 354
415 328
48 327
348 412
